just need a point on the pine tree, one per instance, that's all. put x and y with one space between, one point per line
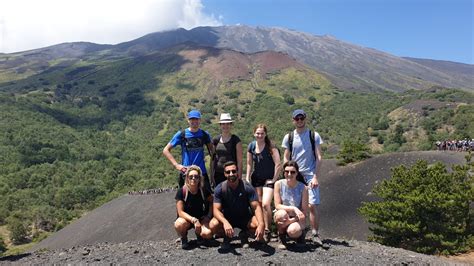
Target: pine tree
424 208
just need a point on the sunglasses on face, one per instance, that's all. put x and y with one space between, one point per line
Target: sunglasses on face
290 172
193 176
231 171
299 118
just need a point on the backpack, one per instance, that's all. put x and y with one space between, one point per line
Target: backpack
253 144
312 136
205 136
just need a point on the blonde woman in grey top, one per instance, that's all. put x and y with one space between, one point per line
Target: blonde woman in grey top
291 203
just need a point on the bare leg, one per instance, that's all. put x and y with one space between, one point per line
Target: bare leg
267 206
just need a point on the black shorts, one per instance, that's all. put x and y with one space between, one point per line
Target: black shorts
261 183
241 223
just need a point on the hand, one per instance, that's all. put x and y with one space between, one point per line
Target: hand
181 168
229 231
314 182
300 215
197 227
259 232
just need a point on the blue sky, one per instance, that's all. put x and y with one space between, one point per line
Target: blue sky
434 29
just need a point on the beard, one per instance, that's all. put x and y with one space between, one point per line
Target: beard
232 178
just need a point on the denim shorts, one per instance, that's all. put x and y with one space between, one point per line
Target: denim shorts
312 192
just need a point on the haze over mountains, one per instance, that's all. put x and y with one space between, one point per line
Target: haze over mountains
346 65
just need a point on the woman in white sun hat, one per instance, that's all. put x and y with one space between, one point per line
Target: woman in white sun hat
228 147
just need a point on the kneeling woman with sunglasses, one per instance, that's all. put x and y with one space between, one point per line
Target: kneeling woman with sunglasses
291 203
194 207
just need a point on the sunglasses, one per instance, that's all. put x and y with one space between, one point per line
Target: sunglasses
299 118
193 176
231 171
290 172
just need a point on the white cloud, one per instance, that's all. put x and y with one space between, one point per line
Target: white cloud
29 24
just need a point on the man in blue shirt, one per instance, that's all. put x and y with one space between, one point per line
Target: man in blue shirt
192 141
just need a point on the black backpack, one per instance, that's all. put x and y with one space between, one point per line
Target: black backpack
204 137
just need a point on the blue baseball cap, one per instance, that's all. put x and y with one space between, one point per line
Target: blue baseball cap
194 114
298 112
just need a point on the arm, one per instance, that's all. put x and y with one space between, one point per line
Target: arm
211 150
259 215
276 161
317 153
286 156
249 166
239 159
217 211
170 157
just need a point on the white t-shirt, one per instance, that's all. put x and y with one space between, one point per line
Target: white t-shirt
302 152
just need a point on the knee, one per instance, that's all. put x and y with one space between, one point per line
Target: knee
214 224
181 224
280 216
206 234
294 231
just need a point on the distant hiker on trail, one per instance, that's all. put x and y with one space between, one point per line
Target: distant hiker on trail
236 206
304 146
263 162
192 141
291 203
228 147
194 207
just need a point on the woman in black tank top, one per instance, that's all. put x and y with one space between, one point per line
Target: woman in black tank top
263 163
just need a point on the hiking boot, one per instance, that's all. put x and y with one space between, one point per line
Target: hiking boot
226 244
281 242
244 239
316 240
184 243
267 237
200 241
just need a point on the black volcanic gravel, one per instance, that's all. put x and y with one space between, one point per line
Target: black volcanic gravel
335 251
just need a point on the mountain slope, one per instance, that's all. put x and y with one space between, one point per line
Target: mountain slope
348 66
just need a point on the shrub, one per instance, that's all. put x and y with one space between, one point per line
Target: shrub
312 99
289 99
3 247
424 209
352 151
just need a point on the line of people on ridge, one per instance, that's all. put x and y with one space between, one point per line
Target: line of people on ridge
246 204
455 145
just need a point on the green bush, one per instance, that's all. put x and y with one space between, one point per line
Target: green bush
352 151
423 208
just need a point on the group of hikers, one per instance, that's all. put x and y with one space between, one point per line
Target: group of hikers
455 145
215 204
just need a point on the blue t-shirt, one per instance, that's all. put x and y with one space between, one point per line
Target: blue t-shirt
192 150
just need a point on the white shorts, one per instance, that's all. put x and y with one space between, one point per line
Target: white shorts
313 193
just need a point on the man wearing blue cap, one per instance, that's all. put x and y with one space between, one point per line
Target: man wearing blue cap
192 141
304 146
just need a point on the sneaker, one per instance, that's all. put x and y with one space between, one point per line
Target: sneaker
226 244
281 242
184 243
244 239
316 240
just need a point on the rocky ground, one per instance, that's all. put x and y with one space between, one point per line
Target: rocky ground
334 251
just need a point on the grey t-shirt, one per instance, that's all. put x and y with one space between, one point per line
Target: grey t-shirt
302 152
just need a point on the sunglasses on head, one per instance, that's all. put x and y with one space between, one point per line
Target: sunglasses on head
290 172
231 171
299 118
193 176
